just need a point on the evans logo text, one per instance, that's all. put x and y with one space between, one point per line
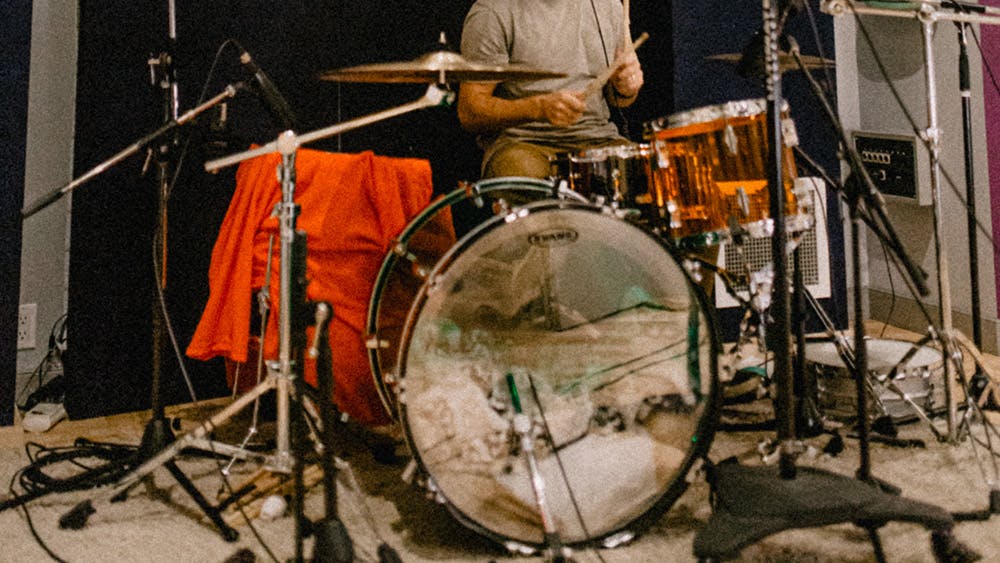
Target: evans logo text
553 237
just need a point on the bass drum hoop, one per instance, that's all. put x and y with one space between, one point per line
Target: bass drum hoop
699 443
374 343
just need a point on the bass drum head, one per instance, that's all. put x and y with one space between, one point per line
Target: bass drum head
416 250
613 356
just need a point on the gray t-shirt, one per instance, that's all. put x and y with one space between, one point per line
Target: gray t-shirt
556 35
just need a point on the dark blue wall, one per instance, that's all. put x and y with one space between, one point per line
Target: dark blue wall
15 56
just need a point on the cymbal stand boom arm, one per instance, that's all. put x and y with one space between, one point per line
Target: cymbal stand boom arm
434 96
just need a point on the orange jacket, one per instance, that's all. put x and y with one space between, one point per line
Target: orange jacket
352 205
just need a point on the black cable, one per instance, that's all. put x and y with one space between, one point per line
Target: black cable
57 336
607 61
158 234
27 518
35 482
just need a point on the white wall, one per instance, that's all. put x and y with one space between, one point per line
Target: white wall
49 165
872 108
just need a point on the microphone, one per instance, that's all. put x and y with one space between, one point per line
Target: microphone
751 64
276 104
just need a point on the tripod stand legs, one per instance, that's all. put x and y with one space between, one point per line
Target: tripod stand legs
77 517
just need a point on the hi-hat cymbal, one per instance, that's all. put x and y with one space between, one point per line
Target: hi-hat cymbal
438 67
786 61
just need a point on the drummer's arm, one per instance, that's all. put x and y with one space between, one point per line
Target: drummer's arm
479 111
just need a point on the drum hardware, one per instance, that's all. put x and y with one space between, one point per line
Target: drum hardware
263 311
554 549
928 14
754 502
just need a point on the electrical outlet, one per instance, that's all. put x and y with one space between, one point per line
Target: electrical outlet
27 319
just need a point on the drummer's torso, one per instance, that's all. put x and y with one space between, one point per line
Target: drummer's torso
574 37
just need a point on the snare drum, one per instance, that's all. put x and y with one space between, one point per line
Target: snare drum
614 358
711 163
915 371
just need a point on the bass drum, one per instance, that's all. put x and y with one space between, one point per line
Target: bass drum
415 252
613 357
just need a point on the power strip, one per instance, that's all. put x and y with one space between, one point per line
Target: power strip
43 416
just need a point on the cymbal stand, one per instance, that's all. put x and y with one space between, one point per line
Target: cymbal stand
283 372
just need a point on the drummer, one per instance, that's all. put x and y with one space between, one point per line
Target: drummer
522 125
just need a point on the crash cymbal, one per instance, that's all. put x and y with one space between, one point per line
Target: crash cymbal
785 61
438 67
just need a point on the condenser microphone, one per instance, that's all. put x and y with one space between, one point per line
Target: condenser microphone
276 104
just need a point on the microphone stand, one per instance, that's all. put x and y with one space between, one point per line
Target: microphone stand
928 13
157 433
754 502
979 380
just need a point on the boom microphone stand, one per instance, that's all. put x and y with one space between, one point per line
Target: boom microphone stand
157 433
754 502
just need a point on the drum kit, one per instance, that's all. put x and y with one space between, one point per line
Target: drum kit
557 372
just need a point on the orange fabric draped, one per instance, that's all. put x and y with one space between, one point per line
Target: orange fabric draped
352 206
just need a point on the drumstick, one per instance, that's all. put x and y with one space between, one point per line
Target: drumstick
626 24
597 83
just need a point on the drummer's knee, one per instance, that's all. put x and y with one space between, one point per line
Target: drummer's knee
520 159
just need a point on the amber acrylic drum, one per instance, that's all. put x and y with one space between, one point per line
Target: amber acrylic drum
712 168
415 252
614 353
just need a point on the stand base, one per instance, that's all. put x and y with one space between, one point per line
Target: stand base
155 437
333 544
752 502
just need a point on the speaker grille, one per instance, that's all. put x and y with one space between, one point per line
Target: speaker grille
814 253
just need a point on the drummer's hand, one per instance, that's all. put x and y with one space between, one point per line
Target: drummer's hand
562 108
628 79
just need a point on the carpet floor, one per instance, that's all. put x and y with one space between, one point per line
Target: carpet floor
158 521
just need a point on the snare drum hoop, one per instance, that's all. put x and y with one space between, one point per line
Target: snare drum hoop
373 342
736 109
921 358
705 427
